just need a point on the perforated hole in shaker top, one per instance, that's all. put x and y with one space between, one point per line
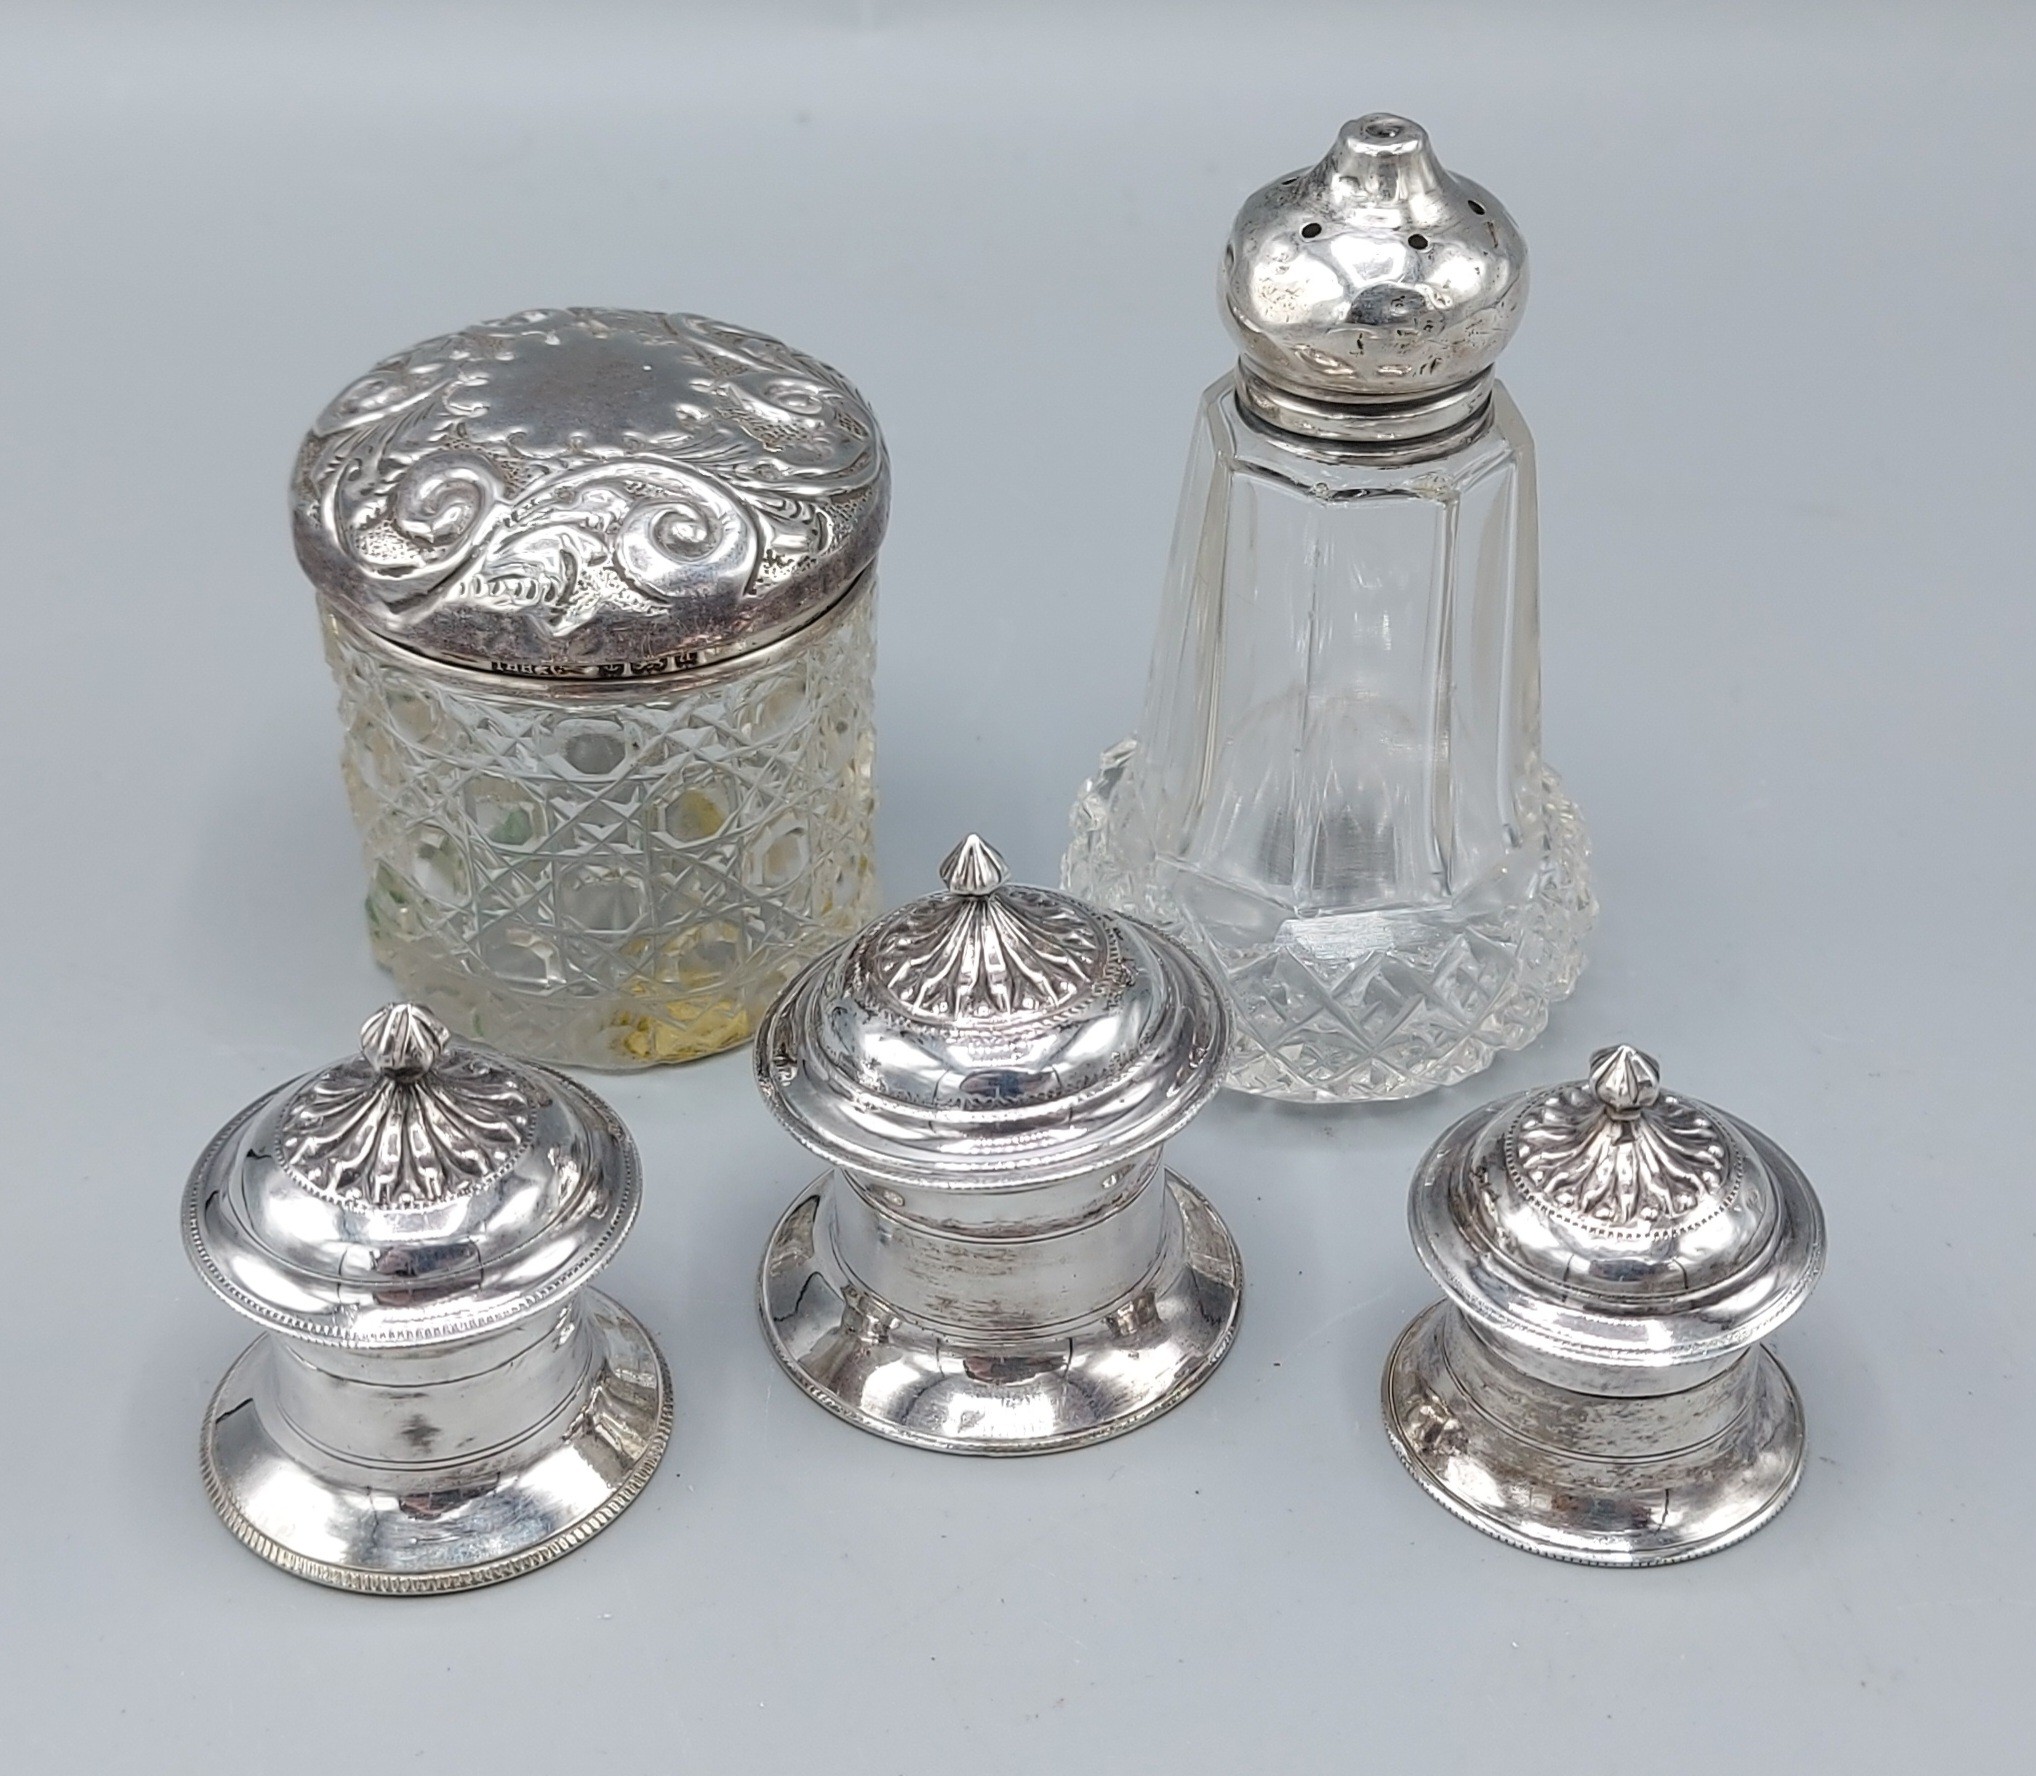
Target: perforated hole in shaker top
1419 242
1311 231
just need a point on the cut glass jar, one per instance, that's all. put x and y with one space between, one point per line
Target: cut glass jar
1336 794
598 590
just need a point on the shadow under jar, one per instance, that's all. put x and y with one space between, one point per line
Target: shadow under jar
598 589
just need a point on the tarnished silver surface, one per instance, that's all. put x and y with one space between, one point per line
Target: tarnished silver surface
1371 293
997 1261
1594 1388
590 493
437 1401
1604 1481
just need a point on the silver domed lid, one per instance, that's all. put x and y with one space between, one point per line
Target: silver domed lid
992 1035
1374 278
1612 1221
422 1191
590 493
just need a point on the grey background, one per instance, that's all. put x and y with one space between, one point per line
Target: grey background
1778 363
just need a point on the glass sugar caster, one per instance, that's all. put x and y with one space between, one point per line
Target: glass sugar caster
598 589
1336 793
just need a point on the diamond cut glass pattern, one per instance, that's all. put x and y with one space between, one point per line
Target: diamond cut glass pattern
621 878
1336 793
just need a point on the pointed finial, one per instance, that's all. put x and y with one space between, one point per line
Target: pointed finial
1625 1080
972 868
404 1041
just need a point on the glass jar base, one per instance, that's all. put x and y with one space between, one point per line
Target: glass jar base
613 877
1359 1007
646 1025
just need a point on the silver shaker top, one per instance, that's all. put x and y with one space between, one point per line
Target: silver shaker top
590 493
991 1035
1610 1220
419 1192
1374 279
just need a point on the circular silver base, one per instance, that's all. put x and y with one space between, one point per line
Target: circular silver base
1627 1510
864 1362
499 1525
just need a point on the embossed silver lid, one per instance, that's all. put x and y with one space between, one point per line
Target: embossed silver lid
419 1192
590 493
1371 293
1612 1221
993 1035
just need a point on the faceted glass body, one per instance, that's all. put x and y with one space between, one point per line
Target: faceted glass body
621 875
1336 794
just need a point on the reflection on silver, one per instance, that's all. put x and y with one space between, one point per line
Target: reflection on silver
1595 1387
401 1126
997 1261
1336 795
598 589
1371 293
437 1400
1615 1152
590 493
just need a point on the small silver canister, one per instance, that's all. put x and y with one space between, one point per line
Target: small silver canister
437 1400
997 1261
1595 1387
598 589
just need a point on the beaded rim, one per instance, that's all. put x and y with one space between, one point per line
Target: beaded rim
470 1578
